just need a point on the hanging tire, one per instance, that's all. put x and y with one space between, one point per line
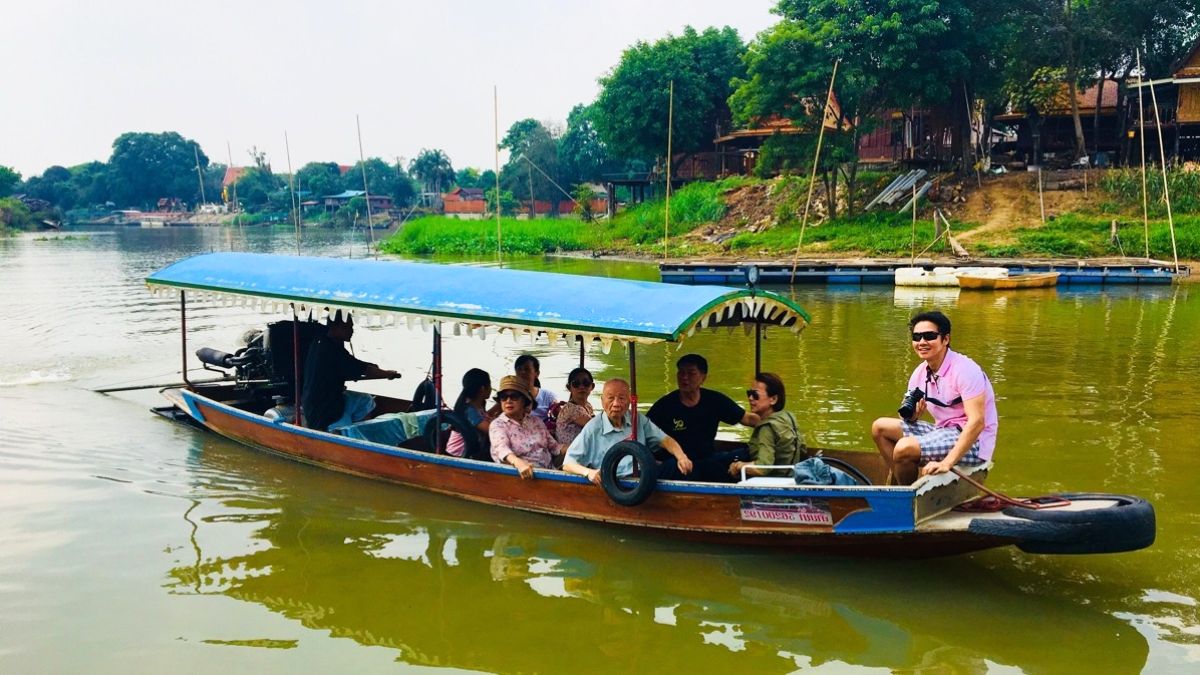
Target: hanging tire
453 421
1128 525
643 484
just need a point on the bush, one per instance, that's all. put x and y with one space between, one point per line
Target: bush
445 235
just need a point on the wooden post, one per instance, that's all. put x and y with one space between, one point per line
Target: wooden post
633 411
366 188
1041 198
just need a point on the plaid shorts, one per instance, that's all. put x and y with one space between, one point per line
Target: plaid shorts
937 442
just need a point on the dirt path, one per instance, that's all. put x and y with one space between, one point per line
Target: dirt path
1010 201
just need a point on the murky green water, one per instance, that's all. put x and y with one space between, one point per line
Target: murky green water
129 543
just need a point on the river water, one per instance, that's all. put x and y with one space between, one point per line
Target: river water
129 543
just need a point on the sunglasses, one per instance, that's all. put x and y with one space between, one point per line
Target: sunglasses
509 396
928 336
752 394
581 383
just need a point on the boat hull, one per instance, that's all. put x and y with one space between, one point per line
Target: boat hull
1035 280
866 520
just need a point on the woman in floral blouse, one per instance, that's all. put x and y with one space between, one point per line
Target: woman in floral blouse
517 437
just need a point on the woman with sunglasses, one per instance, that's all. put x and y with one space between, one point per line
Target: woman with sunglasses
518 438
776 441
528 369
576 411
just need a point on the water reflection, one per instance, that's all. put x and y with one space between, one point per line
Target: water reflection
448 583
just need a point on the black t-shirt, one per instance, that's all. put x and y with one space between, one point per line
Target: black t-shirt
326 370
696 427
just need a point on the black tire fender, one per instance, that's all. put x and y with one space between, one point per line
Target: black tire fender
1128 525
644 484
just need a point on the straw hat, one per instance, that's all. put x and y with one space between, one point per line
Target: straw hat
513 383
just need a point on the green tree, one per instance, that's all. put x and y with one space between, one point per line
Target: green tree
508 203
256 185
321 178
15 215
382 179
467 177
631 111
54 186
9 180
532 169
433 169
145 167
582 156
584 195
90 184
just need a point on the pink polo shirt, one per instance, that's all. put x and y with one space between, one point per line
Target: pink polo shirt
959 377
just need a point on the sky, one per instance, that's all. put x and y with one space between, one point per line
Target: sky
416 74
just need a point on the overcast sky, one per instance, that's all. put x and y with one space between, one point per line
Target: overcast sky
419 74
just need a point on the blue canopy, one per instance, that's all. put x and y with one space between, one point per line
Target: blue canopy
478 297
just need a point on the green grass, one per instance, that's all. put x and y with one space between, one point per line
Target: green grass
1082 236
871 234
446 235
692 205
1125 187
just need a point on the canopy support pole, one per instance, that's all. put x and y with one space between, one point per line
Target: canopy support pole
757 346
633 411
437 388
296 363
183 337
582 350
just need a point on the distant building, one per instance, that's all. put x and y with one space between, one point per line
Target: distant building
1178 110
377 203
464 202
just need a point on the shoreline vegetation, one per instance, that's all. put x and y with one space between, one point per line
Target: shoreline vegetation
713 219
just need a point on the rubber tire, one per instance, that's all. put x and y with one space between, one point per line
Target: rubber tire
645 482
455 422
848 468
1128 526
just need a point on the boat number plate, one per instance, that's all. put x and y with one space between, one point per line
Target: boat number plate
786 510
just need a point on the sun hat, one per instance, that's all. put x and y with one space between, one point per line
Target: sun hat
513 383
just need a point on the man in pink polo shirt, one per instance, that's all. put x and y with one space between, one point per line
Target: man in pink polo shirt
956 393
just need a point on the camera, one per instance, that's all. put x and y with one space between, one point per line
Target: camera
908 406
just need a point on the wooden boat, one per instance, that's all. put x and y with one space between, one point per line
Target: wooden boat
1030 280
869 518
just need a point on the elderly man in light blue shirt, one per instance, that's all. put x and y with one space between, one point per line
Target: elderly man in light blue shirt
615 425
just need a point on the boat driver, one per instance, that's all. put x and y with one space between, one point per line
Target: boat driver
690 415
956 392
326 403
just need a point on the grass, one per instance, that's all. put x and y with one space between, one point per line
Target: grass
446 235
888 234
692 205
1085 236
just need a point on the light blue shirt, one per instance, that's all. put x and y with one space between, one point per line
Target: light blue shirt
598 435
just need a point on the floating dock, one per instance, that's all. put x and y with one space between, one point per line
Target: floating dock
860 272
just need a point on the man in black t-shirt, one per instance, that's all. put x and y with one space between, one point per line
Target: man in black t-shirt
691 414
326 403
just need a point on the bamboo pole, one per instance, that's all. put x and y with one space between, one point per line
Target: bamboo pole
975 150
913 261
670 129
496 151
1162 155
812 179
292 189
366 188
1142 147
236 216
1041 198
199 172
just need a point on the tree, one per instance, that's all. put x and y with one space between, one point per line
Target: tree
54 186
508 203
928 53
382 179
630 113
532 169
584 195
467 177
256 185
90 184
321 178
582 156
146 166
9 179
433 169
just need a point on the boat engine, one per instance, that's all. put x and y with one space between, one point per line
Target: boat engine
265 365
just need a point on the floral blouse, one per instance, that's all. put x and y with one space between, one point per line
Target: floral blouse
528 439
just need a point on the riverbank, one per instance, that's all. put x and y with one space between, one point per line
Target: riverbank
739 218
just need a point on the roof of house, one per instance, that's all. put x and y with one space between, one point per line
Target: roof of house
232 175
770 125
1086 99
346 194
466 194
1189 65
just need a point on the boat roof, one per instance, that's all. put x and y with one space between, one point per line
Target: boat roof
475 298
